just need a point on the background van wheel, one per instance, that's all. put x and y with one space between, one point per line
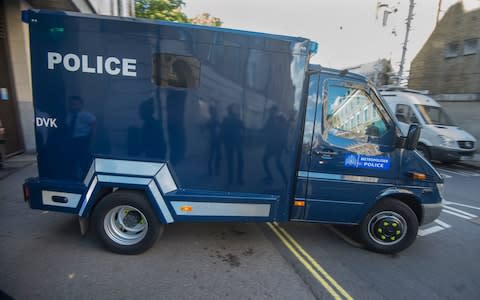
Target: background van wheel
424 151
390 227
126 223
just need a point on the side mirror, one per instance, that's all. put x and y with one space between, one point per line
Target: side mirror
413 136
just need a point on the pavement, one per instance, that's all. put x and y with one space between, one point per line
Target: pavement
475 162
17 162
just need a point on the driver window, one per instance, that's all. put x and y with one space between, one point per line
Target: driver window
352 116
405 114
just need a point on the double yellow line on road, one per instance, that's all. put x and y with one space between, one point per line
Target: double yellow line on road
319 273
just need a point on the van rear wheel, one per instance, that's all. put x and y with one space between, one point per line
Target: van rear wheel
126 223
390 227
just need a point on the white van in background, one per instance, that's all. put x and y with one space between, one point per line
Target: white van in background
440 139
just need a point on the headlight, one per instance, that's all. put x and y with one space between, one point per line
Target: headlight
440 190
447 142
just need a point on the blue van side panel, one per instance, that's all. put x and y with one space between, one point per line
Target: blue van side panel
236 131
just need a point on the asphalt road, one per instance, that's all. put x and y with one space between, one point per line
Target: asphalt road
42 255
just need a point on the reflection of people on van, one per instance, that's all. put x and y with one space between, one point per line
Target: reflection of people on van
152 134
182 74
214 143
232 133
81 129
275 143
176 99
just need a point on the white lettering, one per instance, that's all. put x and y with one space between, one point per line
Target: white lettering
39 121
85 67
129 67
108 66
46 122
98 65
67 62
53 59
53 123
374 165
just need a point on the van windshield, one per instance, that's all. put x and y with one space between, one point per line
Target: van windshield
434 115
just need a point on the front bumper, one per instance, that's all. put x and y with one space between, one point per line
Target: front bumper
450 155
431 212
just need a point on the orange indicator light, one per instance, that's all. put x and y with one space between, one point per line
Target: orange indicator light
418 176
186 208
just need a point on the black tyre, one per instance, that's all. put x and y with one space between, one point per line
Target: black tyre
424 151
390 227
126 223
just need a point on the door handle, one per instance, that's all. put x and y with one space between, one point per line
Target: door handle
328 152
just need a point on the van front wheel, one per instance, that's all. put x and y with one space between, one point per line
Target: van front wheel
390 227
126 223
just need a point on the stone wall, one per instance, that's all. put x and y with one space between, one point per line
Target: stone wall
431 70
466 115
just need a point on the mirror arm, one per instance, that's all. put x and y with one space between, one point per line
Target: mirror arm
400 142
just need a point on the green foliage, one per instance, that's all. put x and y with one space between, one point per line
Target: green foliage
171 10
206 19
168 10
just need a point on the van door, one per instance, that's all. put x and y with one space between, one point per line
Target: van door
353 156
297 212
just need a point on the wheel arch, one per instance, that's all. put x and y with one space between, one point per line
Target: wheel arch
407 197
107 175
151 192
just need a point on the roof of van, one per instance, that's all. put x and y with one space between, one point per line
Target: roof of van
345 73
408 97
396 88
25 18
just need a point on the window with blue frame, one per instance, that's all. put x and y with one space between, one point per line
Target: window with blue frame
348 117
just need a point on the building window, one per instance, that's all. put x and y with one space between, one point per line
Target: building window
171 70
452 49
470 47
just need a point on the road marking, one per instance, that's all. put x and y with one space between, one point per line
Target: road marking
315 263
461 173
453 172
456 214
460 211
445 176
443 224
461 204
309 263
427 231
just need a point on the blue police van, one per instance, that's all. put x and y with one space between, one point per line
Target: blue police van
142 123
